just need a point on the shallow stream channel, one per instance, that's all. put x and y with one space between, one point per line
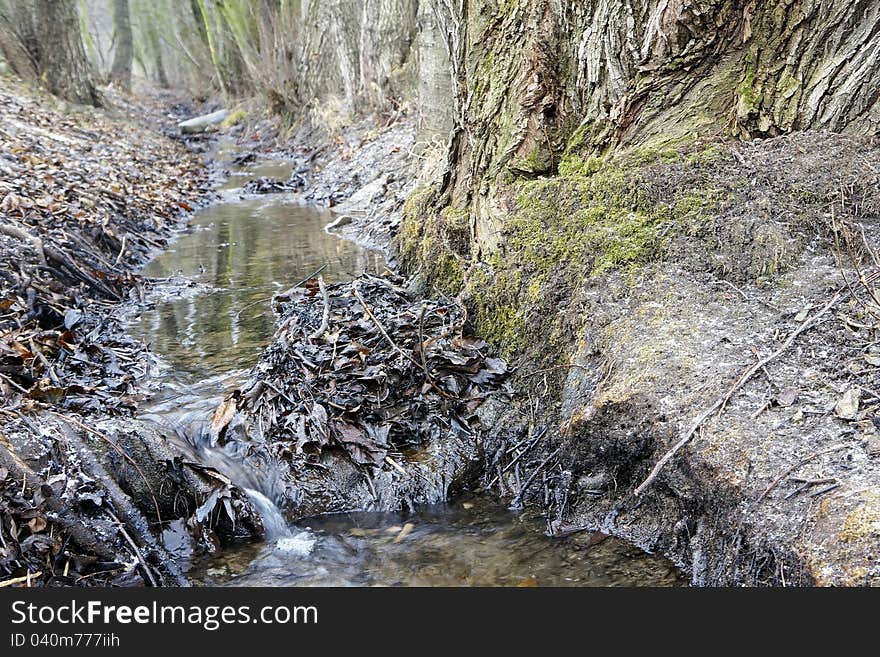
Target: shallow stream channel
207 328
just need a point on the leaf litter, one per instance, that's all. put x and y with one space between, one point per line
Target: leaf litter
364 368
85 197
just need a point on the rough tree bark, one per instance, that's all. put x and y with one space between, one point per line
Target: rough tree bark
357 51
120 72
434 77
634 72
388 29
61 57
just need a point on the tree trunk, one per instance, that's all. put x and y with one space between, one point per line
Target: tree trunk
61 58
161 73
637 72
435 77
388 29
357 51
120 72
18 39
537 81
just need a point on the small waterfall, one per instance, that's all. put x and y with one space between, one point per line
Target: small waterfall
273 522
190 433
277 528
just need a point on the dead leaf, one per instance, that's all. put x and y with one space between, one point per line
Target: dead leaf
847 407
223 416
404 532
787 397
37 524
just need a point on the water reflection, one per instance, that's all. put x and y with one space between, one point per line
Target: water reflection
243 251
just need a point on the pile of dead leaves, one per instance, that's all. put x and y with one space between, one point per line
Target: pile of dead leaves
36 521
83 199
362 367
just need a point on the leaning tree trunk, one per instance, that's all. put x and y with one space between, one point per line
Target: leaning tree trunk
61 56
120 72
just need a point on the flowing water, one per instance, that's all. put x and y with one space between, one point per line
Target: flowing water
208 328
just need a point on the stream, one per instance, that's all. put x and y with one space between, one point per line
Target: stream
208 329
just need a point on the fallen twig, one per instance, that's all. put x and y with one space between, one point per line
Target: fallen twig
517 501
394 464
382 328
13 383
797 465
534 440
325 317
21 580
822 491
137 553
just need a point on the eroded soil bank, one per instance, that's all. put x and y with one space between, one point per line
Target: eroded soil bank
87 197
706 306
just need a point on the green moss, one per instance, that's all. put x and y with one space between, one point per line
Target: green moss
448 275
235 117
593 216
749 97
598 216
434 242
539 160
500 314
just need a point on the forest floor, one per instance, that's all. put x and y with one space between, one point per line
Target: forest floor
779 487
86 196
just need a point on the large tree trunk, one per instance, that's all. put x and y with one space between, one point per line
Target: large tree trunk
595 213
120 72
636 72
540 83
61 58
357 52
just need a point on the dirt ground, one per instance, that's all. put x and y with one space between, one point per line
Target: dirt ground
780 483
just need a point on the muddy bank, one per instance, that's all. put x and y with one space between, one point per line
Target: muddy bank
362 170
718 296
